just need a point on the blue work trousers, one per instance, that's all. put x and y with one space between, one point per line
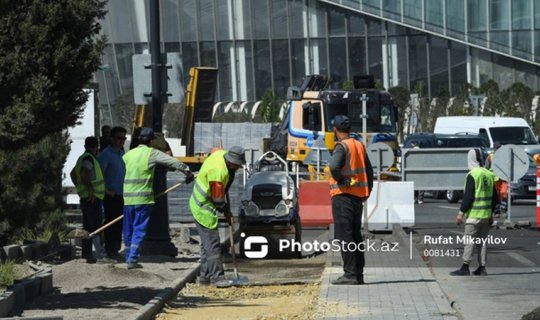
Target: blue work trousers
136 219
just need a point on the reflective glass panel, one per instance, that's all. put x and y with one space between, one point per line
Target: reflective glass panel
438 65
417 60
298 59
434 15
260 19
280 56
357 56
455 18
279 19
207 20
263 76
336 22
412 12
338 61
225 73
222 16
188 20
169 18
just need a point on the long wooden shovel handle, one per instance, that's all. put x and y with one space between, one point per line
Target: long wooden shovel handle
120 217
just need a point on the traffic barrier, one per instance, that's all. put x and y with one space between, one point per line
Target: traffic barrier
538 197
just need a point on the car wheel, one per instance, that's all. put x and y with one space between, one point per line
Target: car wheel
452 196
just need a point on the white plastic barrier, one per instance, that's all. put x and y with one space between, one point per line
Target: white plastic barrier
390 202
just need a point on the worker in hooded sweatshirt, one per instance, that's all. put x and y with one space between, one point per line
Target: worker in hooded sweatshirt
479 200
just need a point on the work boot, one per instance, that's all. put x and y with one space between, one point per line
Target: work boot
343 280
481 271
134 265
223 283
104 260
464 271
204 281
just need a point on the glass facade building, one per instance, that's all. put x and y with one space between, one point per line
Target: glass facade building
272 44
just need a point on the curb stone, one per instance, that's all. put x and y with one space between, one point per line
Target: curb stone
7 300
149 310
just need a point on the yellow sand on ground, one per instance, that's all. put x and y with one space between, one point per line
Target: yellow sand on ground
255 302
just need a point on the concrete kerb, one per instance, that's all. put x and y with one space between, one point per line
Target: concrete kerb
440 297
149 310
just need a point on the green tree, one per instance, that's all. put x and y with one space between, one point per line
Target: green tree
424 106
348 85
50 50
269 108
460 104
125 110
518 100
440 106
494 105
401 98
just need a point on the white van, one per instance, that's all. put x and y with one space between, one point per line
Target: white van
504 130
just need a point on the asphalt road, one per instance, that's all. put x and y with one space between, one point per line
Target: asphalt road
513 248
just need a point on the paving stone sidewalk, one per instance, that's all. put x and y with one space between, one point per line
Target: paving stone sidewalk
397 288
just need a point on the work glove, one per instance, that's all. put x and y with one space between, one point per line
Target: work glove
189 177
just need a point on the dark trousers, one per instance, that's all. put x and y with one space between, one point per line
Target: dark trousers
136 219
92 215
347 213
113 207
211 263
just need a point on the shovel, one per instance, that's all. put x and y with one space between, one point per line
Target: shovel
238 280
83 234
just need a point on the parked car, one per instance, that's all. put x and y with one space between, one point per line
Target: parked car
525 187
435 140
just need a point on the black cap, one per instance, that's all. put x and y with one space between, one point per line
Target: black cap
342 122
146 134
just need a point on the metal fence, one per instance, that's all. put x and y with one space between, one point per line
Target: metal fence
435 169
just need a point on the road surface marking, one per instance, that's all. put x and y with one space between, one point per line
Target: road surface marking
447 207
458 232
522 259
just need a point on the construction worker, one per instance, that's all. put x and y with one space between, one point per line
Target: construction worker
105 139
479 200
207 200
350 186
114 170
138 191
88 179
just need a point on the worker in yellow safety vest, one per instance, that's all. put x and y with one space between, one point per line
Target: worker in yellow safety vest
477 205
88 179
350 186
139 192
209 198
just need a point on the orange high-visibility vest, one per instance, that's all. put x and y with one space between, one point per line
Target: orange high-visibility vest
355 180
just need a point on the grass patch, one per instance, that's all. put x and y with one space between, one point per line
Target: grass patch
8 273
42 235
